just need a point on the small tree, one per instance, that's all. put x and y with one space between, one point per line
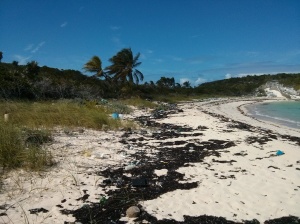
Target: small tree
1 56
186 84
165 82
15 63
32 69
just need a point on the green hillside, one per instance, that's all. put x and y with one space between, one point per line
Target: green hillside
246 85
33 82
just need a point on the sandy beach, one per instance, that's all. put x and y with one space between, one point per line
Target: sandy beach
201 160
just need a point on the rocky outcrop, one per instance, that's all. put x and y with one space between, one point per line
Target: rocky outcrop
274 89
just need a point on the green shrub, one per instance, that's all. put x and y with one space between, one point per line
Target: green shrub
37 137
22 148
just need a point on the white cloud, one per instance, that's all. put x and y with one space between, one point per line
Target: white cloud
150 51
195 36
38 47
63 24
192 82
177 59
196 61
29 47
22 59
183 80
143 56
252 53
199 81
114 28
228 76
116 40
159 60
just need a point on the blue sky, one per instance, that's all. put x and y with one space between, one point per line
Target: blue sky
195 40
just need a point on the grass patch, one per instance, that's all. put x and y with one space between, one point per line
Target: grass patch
48 115
30 124
118 107
139 103
16 151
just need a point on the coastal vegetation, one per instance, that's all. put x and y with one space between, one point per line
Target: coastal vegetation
29 125
40 99
119 83
32 82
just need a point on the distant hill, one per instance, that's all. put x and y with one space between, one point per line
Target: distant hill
249 85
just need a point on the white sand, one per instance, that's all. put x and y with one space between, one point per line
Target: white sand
258 192
264 188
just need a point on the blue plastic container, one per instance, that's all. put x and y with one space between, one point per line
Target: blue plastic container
115 116
279 153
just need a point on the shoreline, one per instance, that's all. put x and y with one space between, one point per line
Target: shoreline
279 121
245 116
209 158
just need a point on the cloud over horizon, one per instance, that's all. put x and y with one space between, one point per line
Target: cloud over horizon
114 28
29 47
37 48
64 24
22 59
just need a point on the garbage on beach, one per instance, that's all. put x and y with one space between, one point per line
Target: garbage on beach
140 182
130 167
103 200
115 116
6 117
279 153
103 101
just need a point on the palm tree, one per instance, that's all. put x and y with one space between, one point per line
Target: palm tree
94 65
123 67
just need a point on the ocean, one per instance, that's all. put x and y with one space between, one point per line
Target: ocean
286 113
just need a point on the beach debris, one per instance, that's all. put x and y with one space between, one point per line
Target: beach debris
139 182
6 117
107 181
133 212
279 153
100 155
83 198
285 219
254 221
102 200
123 154
38 210
115 116
103 101
132 165
129 167
85 206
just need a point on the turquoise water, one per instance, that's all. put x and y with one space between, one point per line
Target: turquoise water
285 112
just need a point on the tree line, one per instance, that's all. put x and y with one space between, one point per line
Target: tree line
121 79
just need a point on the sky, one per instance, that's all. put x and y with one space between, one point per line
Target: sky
191 40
